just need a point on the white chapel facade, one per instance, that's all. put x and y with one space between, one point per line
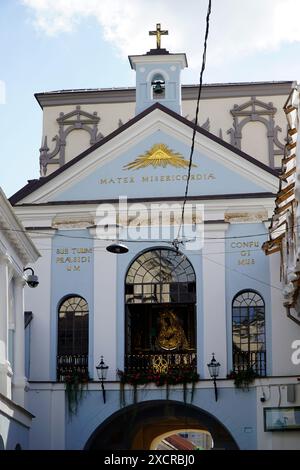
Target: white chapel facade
159 311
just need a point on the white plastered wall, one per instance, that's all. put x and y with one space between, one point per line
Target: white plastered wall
214 322
105 309
39 301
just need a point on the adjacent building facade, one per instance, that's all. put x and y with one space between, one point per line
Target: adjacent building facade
16 251
285 229
114 166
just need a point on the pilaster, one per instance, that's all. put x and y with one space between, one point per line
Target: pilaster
214 296
5 368
105 298
19 380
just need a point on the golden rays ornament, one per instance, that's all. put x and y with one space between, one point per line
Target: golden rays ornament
158 156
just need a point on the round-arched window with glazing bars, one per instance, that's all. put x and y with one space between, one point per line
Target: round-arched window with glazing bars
73 337
248 332
160 276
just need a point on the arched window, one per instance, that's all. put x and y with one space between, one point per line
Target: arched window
161 276
73 333
248 332
160 297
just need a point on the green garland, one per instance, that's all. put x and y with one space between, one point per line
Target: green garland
75 384
172 377
243 378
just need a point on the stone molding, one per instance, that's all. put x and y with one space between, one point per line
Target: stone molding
255 110
75 120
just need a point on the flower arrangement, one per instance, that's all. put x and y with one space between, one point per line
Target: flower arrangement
243 378
75 383
172 377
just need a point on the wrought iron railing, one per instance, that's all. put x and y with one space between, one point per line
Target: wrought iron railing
71 364
172 361
255 360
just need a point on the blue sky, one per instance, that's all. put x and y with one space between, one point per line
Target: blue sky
62 44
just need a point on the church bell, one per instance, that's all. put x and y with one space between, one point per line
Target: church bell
158 87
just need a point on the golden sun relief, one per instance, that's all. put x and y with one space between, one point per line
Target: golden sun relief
158 156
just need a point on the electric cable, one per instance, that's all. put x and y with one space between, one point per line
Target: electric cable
212 261
196 117
243 274
146 241
39 232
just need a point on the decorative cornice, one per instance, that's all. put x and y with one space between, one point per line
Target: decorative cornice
78 97
135 60
189 92
39 233
15 233
205 197
237 90
13 408
216 226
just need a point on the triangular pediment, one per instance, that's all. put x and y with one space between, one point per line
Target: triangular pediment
148 158
253 106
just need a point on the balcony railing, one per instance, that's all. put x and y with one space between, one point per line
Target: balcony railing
160 361
255 360
69 365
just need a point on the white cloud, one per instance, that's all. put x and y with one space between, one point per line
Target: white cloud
238 27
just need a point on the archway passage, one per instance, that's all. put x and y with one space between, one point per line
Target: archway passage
135 427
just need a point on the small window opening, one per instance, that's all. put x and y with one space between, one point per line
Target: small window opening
158 87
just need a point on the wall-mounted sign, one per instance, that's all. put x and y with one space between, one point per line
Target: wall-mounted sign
73 258
156 179
282 419
245 249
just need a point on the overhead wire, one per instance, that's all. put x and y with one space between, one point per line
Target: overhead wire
196 117
40 232
204 255
243 274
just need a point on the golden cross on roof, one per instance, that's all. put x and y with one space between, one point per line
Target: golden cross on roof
158 33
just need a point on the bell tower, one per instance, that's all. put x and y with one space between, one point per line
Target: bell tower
158 76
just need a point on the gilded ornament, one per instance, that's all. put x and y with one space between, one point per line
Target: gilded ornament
160 155
159 365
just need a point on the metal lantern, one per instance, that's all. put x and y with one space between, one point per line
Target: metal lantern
102 374
214 368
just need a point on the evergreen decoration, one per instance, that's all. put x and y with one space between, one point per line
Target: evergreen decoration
193 391
243 378
122 395
75 384
167 391
172 377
